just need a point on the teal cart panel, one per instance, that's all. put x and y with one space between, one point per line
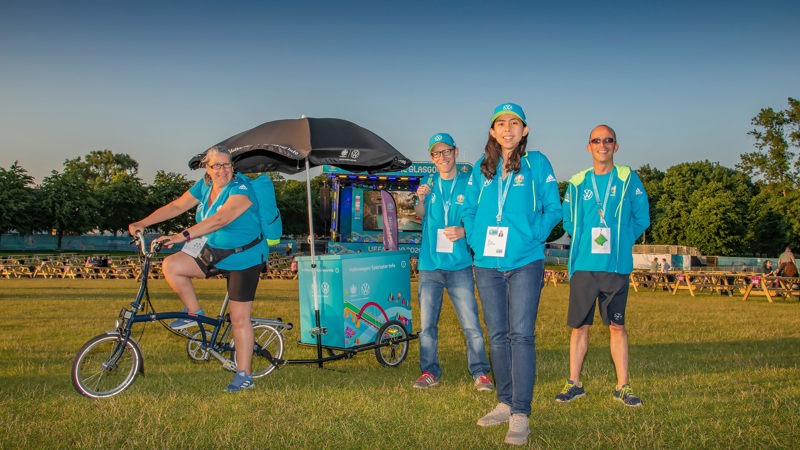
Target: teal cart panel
357 294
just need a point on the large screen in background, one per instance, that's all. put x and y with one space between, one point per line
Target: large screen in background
407 219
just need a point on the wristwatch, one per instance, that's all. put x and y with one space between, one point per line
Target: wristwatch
186 234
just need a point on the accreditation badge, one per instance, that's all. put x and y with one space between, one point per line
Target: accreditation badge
443 245
601 240
193 247
496 239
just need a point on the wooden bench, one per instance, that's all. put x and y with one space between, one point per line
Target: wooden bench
555 276
769 286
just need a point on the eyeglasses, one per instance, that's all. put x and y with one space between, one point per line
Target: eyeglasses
219 166
440 153
603 140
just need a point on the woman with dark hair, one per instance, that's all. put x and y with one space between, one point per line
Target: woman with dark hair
225 240
512 206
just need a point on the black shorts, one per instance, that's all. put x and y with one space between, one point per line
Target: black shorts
586 289
242 284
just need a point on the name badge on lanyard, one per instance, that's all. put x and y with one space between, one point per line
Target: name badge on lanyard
601 236
496 240
601 240
497 237
443 245
193 247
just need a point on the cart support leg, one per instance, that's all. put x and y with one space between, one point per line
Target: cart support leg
319 339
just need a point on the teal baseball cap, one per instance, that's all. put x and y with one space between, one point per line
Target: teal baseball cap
509 108
441 137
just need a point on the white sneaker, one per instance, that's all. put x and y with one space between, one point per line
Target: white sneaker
518 430
500 414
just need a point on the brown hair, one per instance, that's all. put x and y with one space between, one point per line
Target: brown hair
493 153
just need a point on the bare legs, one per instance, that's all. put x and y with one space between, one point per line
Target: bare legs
242 334
179 269
579 344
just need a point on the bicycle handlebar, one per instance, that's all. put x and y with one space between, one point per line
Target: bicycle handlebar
139 241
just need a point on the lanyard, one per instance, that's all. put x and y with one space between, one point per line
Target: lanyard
446 202
208 207
602 210
501 196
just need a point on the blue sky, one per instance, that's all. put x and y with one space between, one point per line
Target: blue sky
161 81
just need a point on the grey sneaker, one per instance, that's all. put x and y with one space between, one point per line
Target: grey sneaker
518 430
180 324
570 392
240 382
484 384
626 396
425 381
500 414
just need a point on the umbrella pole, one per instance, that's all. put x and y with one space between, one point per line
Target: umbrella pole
318 330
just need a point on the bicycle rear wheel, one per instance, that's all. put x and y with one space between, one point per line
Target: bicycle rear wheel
104 366
267 340
392 342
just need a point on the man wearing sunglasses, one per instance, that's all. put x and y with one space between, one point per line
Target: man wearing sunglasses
605 209
446 263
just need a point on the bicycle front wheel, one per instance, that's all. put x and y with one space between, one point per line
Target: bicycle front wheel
106 365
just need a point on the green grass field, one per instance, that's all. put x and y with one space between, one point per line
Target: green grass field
713 372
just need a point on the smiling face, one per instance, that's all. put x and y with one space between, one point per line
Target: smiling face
219 168
444 156
602 146
508 130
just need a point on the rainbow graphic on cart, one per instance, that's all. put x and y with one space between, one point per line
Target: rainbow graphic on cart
357 294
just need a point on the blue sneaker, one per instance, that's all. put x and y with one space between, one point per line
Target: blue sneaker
241 381
626 396
570 392
180 324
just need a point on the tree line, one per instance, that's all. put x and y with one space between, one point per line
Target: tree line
750 209
102 192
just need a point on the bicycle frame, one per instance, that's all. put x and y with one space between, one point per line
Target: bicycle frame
128 317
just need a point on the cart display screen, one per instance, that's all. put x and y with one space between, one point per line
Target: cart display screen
407 219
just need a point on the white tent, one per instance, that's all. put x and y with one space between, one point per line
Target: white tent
563 241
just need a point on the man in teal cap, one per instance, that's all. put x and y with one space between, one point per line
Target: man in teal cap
445 263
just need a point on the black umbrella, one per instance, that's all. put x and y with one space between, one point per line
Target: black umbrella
286 145
293 145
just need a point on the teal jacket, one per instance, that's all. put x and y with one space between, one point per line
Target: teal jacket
429 258
627 215
531 210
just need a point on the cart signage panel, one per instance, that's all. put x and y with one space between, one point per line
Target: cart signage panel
357 294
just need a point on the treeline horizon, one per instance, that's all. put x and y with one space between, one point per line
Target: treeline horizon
752 209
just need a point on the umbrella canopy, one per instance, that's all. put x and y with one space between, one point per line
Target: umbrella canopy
283 145
294 145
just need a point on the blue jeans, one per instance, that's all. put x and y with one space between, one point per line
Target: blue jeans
461 289
510 303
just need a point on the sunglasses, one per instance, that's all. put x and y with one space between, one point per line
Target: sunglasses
440 153
219 166
603 140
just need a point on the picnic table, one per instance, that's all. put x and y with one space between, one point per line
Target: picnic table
10 269
715 282
772 286
646 279
555 277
